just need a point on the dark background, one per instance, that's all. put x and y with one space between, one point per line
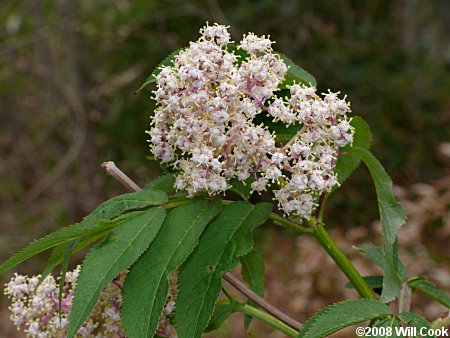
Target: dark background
69 69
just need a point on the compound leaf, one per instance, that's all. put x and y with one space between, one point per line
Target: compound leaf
92 224
228 237
131 237
146 285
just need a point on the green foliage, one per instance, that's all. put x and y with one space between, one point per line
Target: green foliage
374 282
228 237
296 74
253 273
337 316
392 217
57 255
163 183
120 204
414 320
431 290
131 237
54 239
375 254
347 163
146 285
243 189
283 133
65 266
97 222
389 323
222 311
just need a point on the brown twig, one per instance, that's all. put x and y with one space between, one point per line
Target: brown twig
119 175
244 289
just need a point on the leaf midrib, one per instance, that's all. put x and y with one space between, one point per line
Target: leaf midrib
220 258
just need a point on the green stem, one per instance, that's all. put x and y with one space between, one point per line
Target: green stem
343 262
267 318
323 202
291 225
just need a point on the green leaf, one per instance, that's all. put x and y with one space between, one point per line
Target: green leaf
431 290
337 316
392 217
57 255
117 252
222 311
168 61
374 282
243 189
123 203
91 225
392 213
228 237
66 259
346 163
375 254
414 320
393 323
253 273
54 239
146 285
296 73
164 183
282 132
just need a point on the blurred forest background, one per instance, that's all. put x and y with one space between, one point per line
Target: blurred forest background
69 70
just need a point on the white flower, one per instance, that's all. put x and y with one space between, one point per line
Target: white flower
254 44
273 173
259 185
217 33
204 126
278 157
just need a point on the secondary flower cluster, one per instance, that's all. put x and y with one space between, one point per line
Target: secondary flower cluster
204 124
35 310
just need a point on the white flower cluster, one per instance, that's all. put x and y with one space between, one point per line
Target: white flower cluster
204 124
35 310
